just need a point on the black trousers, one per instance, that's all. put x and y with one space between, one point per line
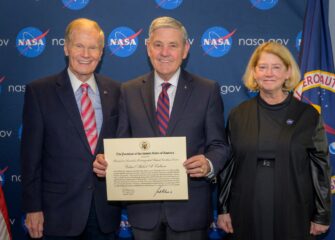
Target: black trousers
163 232
91 232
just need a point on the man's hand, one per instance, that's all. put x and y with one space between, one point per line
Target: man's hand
100 165
34 223
317 229
197 166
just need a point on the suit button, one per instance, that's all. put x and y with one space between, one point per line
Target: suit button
90 187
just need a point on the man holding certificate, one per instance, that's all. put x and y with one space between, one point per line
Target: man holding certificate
65 118
170 102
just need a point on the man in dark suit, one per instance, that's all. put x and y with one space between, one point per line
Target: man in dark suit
65 118
172 102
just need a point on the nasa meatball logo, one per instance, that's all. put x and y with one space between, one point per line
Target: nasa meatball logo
75 4
123 41
217 41
298 41
168 4
1 80
30 42
264 4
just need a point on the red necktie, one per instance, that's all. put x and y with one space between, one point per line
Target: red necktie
163 109
88 118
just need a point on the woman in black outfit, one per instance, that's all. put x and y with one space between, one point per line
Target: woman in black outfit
277 184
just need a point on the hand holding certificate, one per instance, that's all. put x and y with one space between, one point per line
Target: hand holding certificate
146 169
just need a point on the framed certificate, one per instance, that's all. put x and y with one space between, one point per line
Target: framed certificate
146 169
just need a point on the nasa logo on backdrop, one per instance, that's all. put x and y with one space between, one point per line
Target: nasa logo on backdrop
298 41
2 175
75 4
217 41
168 4
264 4
1 80
31 42
123 41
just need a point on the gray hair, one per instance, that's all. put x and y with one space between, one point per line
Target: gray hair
168 22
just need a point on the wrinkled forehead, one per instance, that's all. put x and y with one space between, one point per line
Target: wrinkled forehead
88 31
167 34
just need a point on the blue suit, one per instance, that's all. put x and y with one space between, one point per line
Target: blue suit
197 113
57 169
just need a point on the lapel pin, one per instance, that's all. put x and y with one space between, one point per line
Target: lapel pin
289 121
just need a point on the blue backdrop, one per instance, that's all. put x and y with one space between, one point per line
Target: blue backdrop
31 46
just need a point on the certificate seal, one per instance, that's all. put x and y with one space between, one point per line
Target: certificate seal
144 145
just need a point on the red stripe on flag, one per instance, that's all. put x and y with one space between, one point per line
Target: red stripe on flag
5 233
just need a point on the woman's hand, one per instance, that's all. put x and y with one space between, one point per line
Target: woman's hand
317 229
224 222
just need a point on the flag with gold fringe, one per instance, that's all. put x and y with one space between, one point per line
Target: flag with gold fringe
5 233
318 85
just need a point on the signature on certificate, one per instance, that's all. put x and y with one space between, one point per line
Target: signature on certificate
162 190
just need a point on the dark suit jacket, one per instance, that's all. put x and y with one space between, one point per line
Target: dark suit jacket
197 113
57 169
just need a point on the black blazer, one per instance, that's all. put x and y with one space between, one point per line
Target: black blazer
197 113
302 172
57 169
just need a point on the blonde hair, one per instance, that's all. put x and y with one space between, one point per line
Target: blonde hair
168 22
280 51
84 22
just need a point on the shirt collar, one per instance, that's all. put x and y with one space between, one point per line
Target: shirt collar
173 80
76 83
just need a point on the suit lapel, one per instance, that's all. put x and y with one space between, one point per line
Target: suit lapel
148 98
66 95
184 90
105 106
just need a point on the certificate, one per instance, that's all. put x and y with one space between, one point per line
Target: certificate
146 169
